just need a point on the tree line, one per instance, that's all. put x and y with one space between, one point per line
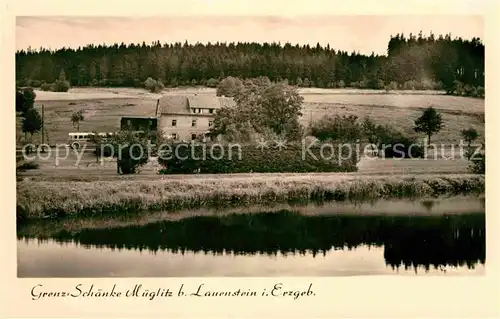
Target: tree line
414 241
413 62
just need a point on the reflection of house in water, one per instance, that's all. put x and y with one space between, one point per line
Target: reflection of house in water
186 118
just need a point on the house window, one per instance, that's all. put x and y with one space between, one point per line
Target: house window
211 111
193 123
173 136
210 123
193 136
174 123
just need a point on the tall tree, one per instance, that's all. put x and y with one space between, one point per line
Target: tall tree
31 123
76 118
25 99
469 135
429 122
259 109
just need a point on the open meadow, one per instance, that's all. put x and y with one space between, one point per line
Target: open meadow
70 167
103 108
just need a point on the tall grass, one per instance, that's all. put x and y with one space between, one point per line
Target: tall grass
79 199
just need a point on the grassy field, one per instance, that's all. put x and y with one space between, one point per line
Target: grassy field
53 199
90 170
105 106
64 164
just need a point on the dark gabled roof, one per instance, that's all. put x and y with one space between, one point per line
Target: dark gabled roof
173 104
182 104
139 117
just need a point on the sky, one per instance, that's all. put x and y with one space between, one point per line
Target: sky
365 34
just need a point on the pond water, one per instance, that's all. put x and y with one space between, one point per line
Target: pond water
437 237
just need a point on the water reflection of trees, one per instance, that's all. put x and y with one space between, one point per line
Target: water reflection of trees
409 241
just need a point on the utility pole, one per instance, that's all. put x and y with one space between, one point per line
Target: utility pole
157 104
43 127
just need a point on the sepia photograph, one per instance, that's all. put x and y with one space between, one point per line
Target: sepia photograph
250 146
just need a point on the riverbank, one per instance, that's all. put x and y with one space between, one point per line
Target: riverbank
52 199
420 207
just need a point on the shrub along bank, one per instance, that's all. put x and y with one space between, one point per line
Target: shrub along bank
83 199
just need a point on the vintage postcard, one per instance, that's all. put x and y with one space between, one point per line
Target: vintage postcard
208 158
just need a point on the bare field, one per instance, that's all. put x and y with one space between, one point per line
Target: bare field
401 100
402 118
102 115
105 106
82 93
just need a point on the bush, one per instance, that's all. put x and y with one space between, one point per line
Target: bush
61 86
397 145
480 91
104 151
26 166
193 158
212 83
262 81
35 83
391 86
428 85
337 128
46 87
478 164
380 84
21 82
103 82
129 159
389 142
472 91
57 86
456 88
153 86
469 90
229 87
412 85
354 85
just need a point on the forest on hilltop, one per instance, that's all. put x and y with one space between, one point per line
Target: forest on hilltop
413 62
